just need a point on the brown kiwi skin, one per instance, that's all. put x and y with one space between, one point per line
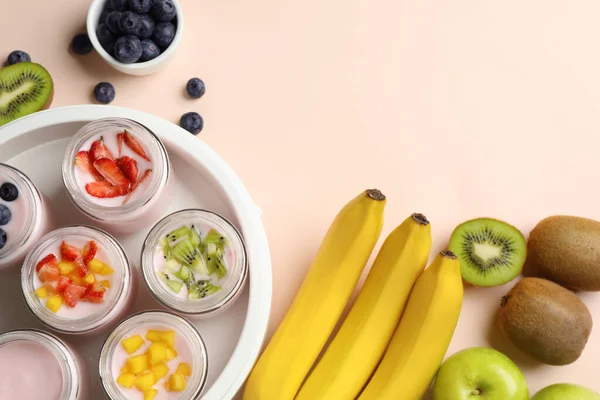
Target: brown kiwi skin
545 320
566 250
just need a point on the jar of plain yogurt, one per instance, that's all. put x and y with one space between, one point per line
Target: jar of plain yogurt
36 365
157 352
117 172
24 215
194 262
78 280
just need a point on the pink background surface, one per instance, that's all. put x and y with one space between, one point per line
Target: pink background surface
454 109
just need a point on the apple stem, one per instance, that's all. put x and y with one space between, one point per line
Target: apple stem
475 392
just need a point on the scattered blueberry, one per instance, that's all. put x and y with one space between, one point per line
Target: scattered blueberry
149 50
119 5
81 44
8 192
128 49
146 27
192 122
5 215
129 23
106 37
195 88
18 56
104 92
140 6
163 10
112 22
163 34
2 238
103 16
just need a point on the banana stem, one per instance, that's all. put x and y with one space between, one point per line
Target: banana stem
420 218
375 194
448 253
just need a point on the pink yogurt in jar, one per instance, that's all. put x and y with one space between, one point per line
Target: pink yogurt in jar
24 215
35 365
92 294
189 346
118 174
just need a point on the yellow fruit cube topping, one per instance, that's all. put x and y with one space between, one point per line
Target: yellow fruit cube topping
96 266
160 370
126 380
132 344
42 292
66 267
184 369
54 303
105 284
157 353
89 279
150 394
171 354
137 364
177 383
144 381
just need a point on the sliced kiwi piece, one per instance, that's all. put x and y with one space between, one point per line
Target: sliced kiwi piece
195 236
216 265
215 237
491 252
178 233
202 289
184 274
24 89
172 265
166 247
199 265
185 252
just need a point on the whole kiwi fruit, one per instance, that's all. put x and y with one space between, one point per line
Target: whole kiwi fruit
566 250
545 320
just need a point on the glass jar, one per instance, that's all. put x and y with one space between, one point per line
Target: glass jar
86 316
155 266
188 344
29 215
121 212
29 359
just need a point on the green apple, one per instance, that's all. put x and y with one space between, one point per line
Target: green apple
566 391
480 373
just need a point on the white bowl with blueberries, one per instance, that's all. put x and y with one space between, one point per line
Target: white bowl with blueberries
136 37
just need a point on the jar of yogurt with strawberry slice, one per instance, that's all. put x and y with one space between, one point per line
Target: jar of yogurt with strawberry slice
36 365
117 172
24 215
78 280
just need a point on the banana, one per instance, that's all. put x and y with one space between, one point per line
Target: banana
332 277
423 335
364 335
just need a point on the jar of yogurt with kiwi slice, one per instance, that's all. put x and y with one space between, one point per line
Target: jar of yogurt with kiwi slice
194 262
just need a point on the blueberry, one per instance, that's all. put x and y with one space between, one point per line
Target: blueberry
103 16
129 23
112 21
128 49
146 27
119 5
81 44
18 56
5 215
149 50
106 38
140 6
2 238
195 88
8 192
163 34
163 10
192 122
104 92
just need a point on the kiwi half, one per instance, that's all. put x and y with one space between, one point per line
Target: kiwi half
24 89
491 252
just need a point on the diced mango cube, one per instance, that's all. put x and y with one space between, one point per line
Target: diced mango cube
144 381
184 369
138 364
76 278
166 385
157 352
168 337
171 354
106 271
150 394
153 336
42 292
125 369
126 379
96 266
54 302
160 370
89 279
132 344
66 267
176 383
105 284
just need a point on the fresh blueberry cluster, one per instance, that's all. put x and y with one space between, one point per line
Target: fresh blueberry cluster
8 193
135 31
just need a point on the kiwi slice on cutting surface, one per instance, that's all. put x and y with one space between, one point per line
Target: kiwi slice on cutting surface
24 89
491 252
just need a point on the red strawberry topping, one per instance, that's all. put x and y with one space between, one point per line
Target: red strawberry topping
99 150
83 161
129 167
137 184
62 284
49 273
94 293
134 145
81 268
73 293
50 260
89 252
106 190
110 171
120 141
68 252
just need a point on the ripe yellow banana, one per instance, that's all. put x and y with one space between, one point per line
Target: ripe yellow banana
332 277
362 339
423 335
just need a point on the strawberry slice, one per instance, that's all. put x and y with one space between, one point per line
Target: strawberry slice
99 150
50 260
134 145
68 252
81 268
49 273
137 184
83 161
62 284
73 293
94 293
110 171
89 252
120 141
129 167
104 190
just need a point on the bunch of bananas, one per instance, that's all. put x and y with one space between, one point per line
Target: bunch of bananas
395 336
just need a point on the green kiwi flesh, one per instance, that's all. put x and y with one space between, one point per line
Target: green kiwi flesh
24 89
491 252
